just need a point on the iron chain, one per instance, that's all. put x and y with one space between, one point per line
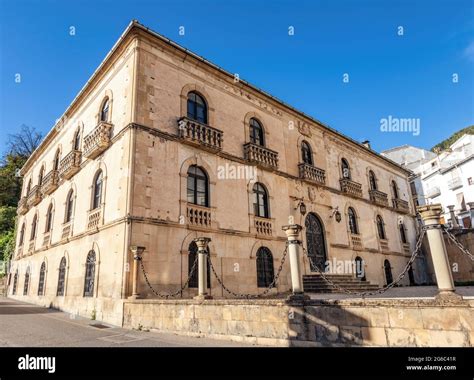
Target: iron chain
458 244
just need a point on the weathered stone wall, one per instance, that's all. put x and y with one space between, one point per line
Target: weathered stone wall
462 267
392 323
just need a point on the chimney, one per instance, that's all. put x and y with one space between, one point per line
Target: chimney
366 143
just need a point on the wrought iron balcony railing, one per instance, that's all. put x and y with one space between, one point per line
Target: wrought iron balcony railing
312 173
199 134
98 140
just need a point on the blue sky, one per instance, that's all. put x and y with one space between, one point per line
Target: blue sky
405 76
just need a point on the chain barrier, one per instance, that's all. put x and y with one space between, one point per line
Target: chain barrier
377 291
162 295
458 244
247 295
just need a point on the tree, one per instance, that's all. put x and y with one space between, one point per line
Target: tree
10 181
7 218
445 144
24 143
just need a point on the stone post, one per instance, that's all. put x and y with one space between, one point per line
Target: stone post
202 243
452 215
431 217
292 232
471 209
137 256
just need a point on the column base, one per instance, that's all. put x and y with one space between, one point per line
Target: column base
297 298
203 297
448 296
135 297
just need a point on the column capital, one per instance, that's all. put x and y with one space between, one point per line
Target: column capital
202 242
430 213
292 231
137 251
450 207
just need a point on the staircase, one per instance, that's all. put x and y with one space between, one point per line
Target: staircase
314 283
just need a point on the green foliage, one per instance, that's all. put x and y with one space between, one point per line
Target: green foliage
443 145
7 219
10 182
7 245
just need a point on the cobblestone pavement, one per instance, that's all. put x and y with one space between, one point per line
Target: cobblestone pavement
27 325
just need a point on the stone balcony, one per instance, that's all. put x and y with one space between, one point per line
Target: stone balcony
70 164
384 245
406 248
23 206
194 133
67 228
401 205
263 226
34 196
46 238
312 173
31 247
350 187
94 218
198 216
378 197
50 182
356 241
98 140
19 251
261 155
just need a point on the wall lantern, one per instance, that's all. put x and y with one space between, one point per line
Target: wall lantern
301 206
336 214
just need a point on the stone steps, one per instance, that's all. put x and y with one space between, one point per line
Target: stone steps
314 283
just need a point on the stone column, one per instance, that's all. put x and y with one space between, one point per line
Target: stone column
202 243
137 256
292 232
471 209
453 217
431 217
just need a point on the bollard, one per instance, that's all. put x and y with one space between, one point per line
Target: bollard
292 232
202 243
444 278
137 256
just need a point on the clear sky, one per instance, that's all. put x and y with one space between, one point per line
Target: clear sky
409 73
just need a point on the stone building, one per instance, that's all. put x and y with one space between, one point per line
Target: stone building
160 147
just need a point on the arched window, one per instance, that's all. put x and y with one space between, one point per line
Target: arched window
260 201
197 186
61 277
27 281
403 235
197 108
372 180
15 282
104 110
97 190
90 275
33 227
346 170
40 176
394 190
22 234
352 216
76 145
388 272
306 153
380 227
28 188
315 242
192 256
41 279
49 219
265 273
57 159
256 132
69 207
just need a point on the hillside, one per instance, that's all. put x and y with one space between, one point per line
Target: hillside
447 142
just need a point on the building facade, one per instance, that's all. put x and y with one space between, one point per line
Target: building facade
446 178
161 147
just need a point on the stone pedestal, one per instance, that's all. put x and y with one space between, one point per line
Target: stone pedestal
137 256
202 243
292 232
444 278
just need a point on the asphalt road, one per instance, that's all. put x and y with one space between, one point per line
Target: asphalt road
27 325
